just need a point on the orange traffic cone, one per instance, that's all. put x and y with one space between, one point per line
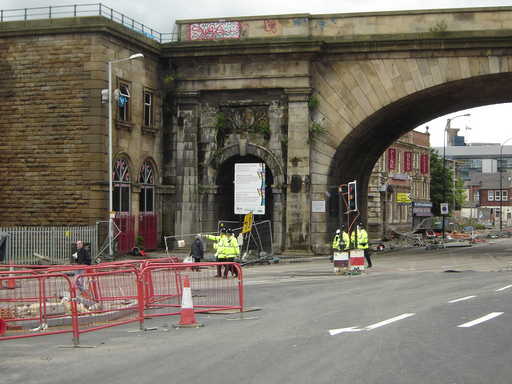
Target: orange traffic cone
11 283
187 316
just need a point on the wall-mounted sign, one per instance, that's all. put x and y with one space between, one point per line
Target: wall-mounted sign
250 188
407 161
424 165
391 158
402 197
318 206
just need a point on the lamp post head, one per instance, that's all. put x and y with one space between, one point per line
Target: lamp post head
136 56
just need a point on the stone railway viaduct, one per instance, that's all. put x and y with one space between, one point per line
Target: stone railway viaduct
318 98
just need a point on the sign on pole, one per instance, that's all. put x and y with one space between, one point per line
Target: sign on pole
444 208
250 188
248 219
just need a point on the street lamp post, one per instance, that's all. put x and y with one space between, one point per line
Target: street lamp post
501 182
446 128
110 187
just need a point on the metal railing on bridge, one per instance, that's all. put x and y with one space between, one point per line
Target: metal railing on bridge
81 10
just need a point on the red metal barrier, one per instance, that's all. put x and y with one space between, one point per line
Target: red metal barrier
34 305
210 293
79 299
107 299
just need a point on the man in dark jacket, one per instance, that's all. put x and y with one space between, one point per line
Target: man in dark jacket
197 250
83 256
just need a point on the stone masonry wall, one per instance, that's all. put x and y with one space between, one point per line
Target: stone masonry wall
53 149
46 139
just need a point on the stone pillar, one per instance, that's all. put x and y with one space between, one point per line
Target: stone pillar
185 158
298 202
277 220
135 191
166 196
208 214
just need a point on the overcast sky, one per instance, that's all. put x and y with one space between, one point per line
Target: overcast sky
488 124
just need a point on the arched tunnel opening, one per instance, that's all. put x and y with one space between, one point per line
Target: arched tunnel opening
377 132
225 182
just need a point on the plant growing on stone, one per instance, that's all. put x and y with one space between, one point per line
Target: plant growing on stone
221 127
315 128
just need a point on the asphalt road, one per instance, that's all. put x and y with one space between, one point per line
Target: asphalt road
405 321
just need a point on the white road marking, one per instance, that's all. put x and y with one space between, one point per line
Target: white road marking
333 332
481 319
389 321
502 289
461 299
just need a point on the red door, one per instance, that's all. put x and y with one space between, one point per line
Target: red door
126 238
147 230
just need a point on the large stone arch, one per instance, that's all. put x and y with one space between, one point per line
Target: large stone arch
374 81
383 105
208 194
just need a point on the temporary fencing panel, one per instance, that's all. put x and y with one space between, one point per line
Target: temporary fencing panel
258 243
106 299
210 293
79 299
34 305
54 243
148 230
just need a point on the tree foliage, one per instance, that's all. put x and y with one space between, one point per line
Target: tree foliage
442 185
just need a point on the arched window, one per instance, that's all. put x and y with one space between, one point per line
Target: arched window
121 186
147 188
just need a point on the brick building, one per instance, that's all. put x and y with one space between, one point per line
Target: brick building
402 171
53 152
487 197
181 123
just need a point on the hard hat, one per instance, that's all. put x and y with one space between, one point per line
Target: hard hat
338 231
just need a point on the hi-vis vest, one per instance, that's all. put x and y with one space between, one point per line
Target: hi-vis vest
362 238
216 240
336 241
228 247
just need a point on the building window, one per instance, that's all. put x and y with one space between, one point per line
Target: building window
477 196
124 109
504 195
490 195
147 188
121 186
497 195
148 108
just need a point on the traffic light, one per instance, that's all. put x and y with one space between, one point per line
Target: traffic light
352 196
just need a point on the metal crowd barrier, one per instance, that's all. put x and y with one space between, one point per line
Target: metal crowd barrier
81 299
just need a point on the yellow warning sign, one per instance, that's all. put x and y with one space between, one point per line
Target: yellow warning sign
247 223
403 197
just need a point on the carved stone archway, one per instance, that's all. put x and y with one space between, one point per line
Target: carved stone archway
209 193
